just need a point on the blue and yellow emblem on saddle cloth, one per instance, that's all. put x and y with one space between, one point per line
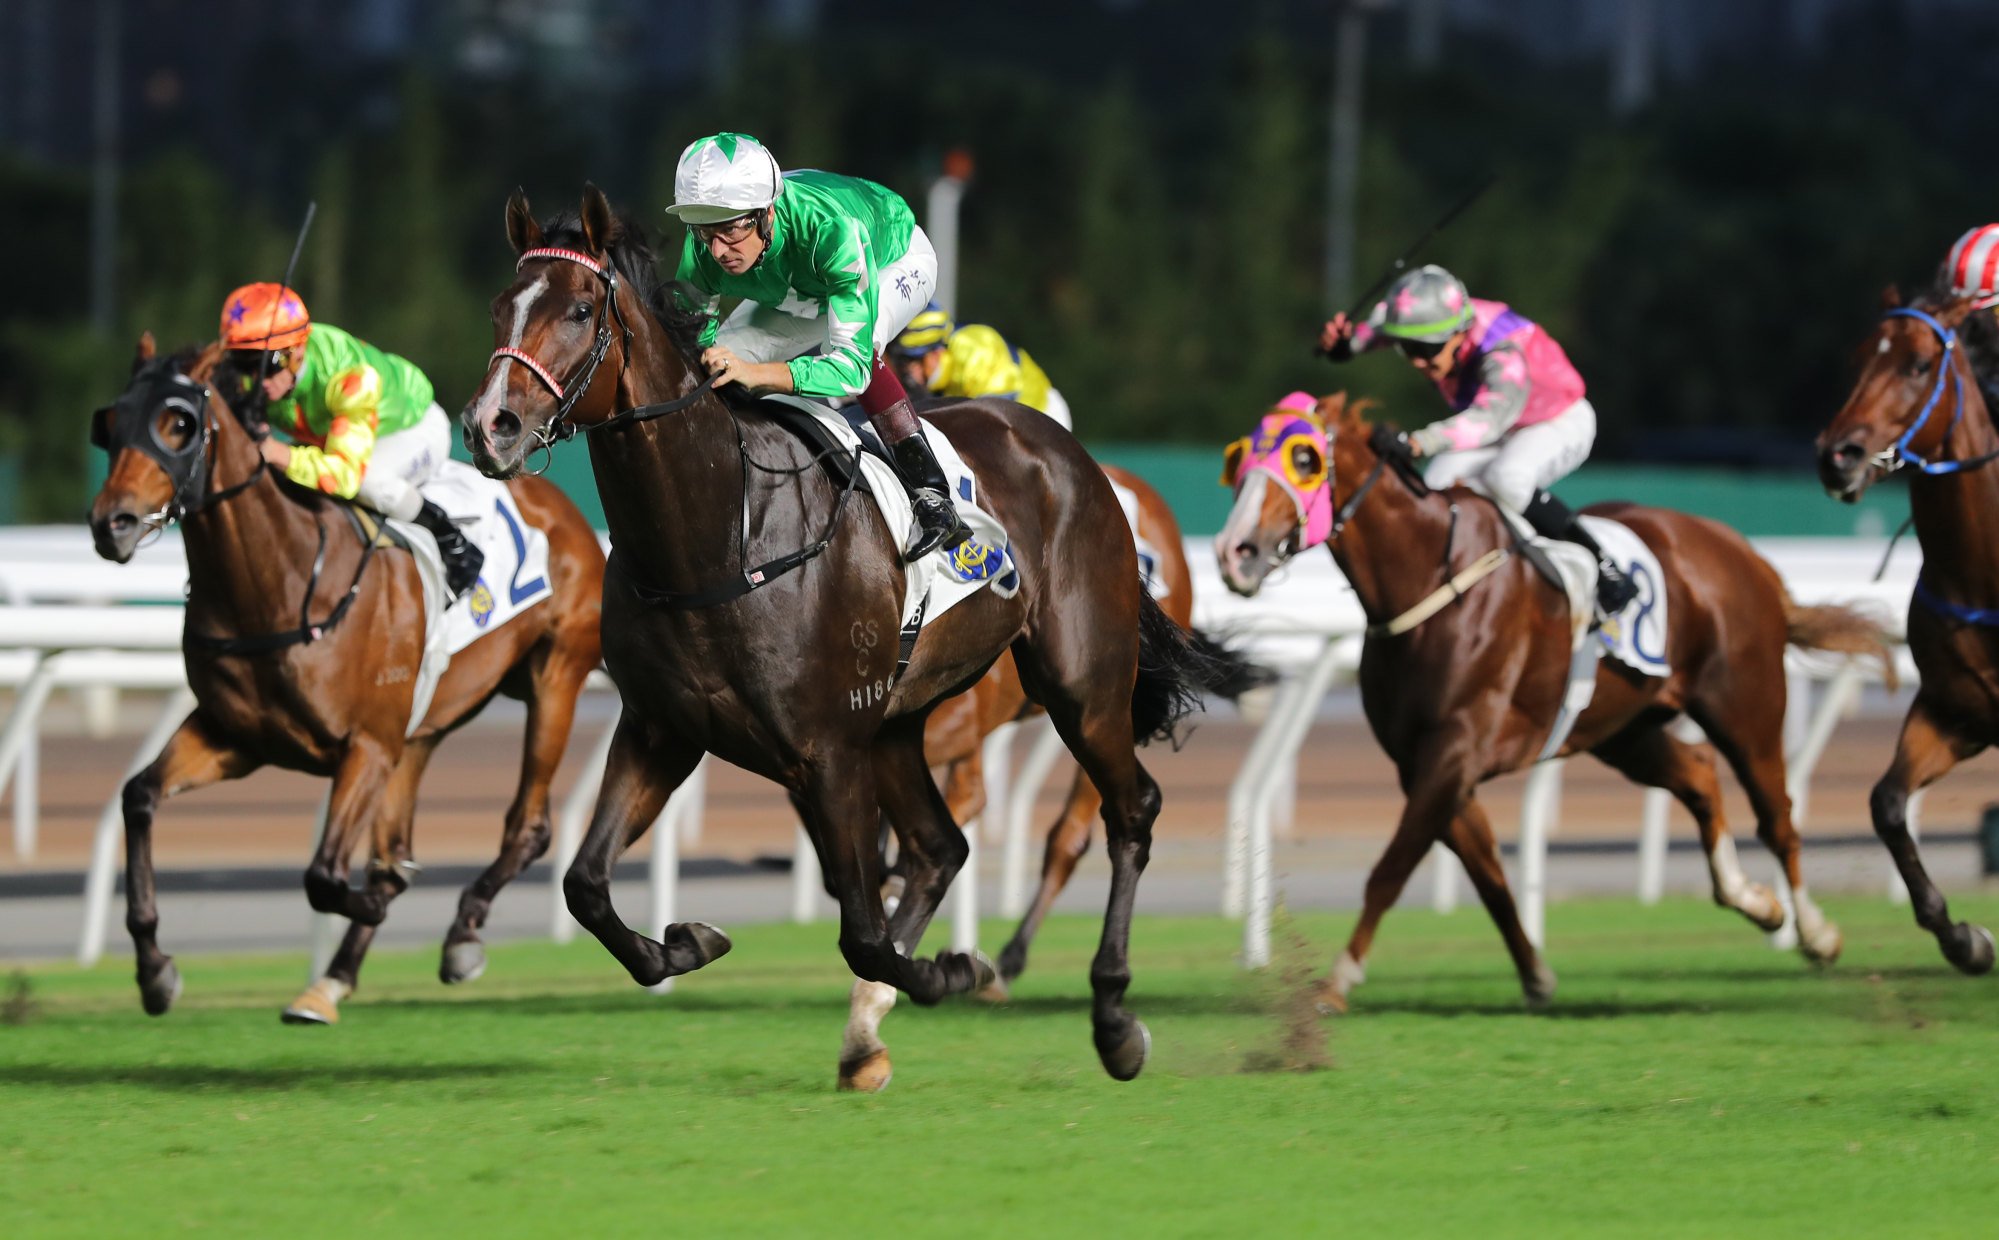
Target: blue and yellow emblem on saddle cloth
973 560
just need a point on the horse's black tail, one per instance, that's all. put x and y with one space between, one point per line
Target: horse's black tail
1175 666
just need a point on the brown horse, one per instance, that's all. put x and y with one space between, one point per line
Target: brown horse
1918 403
958 728
301 648
740 574
1474 691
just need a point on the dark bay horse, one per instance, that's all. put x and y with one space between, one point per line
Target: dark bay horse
738 580
265 561
1918 403
1473 692
958 727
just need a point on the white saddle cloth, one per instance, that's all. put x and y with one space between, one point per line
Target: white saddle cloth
1635 636
945 577
513 578
1148 555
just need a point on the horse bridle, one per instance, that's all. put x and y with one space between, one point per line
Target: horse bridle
1898 454
135 414
559 427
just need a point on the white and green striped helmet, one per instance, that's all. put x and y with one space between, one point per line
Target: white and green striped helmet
723 177
1428 304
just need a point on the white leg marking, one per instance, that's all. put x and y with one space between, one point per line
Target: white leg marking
1347 974
1726 868
867 1005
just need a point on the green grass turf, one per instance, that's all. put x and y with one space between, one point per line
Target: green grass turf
1689 1081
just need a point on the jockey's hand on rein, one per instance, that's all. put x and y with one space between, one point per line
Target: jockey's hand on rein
1390 444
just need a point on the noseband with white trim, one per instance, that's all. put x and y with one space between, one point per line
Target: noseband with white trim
559 427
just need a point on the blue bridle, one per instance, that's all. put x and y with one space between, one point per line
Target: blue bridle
1899 455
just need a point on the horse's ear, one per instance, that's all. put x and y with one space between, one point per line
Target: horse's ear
1331 407
522 231
1891 298
598 221
145 352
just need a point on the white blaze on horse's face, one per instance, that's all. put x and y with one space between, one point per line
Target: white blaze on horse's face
487 400
1251 544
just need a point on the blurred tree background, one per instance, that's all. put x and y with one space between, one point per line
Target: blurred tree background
1147 215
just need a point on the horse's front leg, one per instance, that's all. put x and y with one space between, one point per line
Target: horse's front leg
841 810
319 1003
194 757
360 782
1437 778
639 776
1926 750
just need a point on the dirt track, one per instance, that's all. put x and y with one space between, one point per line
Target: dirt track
1346 792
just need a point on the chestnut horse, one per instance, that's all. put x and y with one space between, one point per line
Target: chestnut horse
1918 403
958 728
1474 691
740 571
301 647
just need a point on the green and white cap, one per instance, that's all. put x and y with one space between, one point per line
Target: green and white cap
1428 304
722 177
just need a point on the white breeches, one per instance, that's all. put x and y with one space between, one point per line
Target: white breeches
1058 409
402 462
759 333
1531 458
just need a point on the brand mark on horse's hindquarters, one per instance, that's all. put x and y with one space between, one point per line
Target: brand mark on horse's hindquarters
866 636
867 695
392 676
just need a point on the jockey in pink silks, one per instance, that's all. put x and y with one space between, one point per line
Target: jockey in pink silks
1519 420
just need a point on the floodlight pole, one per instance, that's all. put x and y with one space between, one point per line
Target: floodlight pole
940 223
1343 164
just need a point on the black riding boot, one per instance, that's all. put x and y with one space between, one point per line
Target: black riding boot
937 523
462 560
1551 518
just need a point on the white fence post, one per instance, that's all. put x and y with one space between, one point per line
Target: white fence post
1539 805
1445 870
1027 785
805 880
1297 723
103 872
569 830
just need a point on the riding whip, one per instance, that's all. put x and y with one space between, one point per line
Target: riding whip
1402 260
291 269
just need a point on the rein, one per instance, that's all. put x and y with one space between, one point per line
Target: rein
559 428
1443 596
1898 454
308 631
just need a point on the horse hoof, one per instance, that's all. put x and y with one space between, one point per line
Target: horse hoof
1822 948
711 943
1539 992
985 974
463 962
1978 952
319 1005
1768 915
995 991
159 994
869 1074
1013 960
1330 999
892 889
1124 1060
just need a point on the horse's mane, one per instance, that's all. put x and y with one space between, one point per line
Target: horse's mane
630 251
1979 333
